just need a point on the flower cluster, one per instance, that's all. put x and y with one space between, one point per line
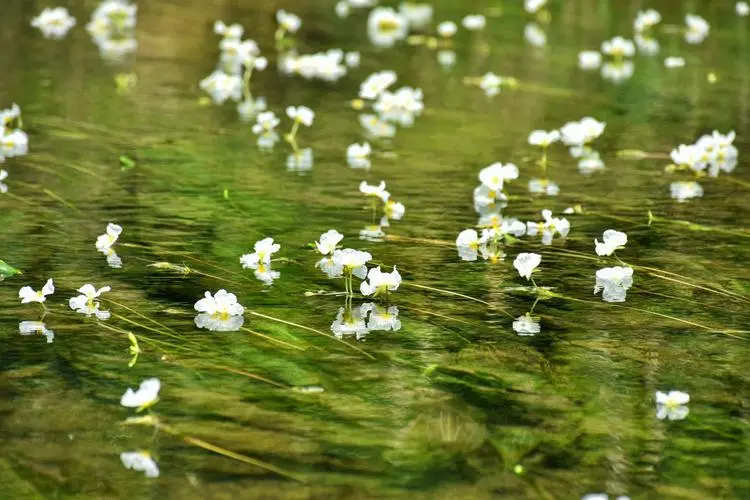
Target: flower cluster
330 65
709 155
369 317
548 227
391 210
106 241
399 107
112 28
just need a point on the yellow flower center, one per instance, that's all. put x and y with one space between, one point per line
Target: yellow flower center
387 25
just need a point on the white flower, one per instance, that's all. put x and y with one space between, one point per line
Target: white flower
495 175
672 405
301 114
222 86
590 163
612 240
394 210
618 71
235 31
697 28
331 268
382 319
534 35
375 127
358 155
352 59
526 325
300 161
385 26
742 9
487 199
13 144
614 283
645 20
352 261
618 47
544 186
342 8
534 6
380 283
288 21
543 138
683 191
27 294
548 227
106 240
351 322
265 123
467 243
446 58
54 22
525 263
376 191
418 15
140 461
674 62
582 132
474 22
31 327
447 29
146 395
84 302
249 108
264 249
647 45
376 83
328 242
265 274
219 312
589 59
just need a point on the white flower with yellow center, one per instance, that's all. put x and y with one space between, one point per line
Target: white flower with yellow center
382 319
54 22
222 86
385 27
380 283
376 83
15 143
301 114
232 32
394 210
140 461
287 21
371 190
27 294
671 405
147 395
697 28
685 190
618 48
85 302
375 127
32 327
645 20
352 262
106 240
543 139
219 312
495 175
264 249
328 241
266 123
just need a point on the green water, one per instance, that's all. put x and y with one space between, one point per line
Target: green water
452 403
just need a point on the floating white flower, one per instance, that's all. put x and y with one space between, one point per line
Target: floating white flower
372 232
394 210
380 283
352 59
106 240
697 28
614 283
495 175
526 325
526 263
54 22
543 138
534 6
418 15
15 143
265 274
301 114
266 122
85 303
674 62
375 191
612 240
534 35
351 321
447 29
250 108
474 22
352 261
358 155
331 268
645 20
490 84
683 191
146 395
544 186
27 294
742 9
222 86
219 312
31 327
376 83
618 48
401 106
140 461
375 127
672 405
647 46
582 132
328 241
287 21
382 319
467 243
385 26
264 249
549 227
590 163
112 28
589 59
